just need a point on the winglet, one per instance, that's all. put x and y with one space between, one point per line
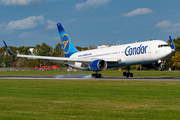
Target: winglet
172 44
9 51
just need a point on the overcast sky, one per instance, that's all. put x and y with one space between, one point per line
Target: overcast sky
88 22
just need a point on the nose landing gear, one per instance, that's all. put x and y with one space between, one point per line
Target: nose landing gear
128 74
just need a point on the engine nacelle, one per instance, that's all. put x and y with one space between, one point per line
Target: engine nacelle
152 65
98 65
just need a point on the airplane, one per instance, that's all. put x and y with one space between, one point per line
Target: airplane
150 54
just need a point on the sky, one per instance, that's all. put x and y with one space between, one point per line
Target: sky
88 22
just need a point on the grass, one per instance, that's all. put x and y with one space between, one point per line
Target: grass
89 99
104 73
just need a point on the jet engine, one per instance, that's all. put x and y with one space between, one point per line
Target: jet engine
98 65
152 65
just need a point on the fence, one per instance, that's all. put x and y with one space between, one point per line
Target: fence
24 69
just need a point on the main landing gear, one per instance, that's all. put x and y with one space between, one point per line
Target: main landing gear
128 74
96 75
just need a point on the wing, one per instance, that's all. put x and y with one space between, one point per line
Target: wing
61 60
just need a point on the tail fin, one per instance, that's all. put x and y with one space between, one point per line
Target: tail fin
67 45
172 44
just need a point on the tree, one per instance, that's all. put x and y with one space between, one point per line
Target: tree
22 62
57 51
44 50
177 43
24 50
2 55
7 59
92 47
168 62
176 59
14 64
32 63
172 60
81 48
36 49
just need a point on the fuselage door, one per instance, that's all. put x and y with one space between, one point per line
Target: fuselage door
149 50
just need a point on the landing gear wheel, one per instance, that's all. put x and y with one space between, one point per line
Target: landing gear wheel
99 75
96 75
131 74
92 75
127 74
124 73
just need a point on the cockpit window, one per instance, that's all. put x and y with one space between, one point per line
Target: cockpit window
165 45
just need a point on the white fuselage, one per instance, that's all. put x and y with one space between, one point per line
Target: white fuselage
129 54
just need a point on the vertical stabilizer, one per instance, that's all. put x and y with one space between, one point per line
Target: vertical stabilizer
67 45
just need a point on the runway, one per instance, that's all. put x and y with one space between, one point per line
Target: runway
90 78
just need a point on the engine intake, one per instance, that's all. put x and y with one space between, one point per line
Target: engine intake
98 65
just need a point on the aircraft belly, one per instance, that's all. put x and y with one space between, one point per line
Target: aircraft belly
129 63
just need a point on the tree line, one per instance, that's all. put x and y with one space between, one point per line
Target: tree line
6 60
173 61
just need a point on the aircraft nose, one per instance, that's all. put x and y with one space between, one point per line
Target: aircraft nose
168 52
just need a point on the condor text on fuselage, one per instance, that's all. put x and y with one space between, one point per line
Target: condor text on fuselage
135 50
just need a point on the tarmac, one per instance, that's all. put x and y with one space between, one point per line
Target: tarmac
107 78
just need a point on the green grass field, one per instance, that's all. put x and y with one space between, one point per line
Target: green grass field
89 99
104 73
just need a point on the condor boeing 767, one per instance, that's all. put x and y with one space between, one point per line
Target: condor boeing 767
148 53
